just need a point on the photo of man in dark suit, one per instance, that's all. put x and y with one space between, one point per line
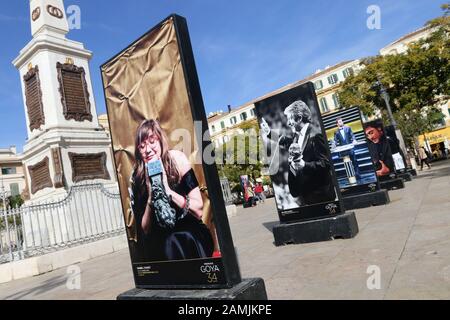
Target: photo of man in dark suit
345 136
310 177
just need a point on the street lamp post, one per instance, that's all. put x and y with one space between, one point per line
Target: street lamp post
386 98
385 95
3 194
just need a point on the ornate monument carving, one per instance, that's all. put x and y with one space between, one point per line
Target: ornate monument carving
58 167
26 191
40 176
33 97
74 92
88 166
60 115
36 14
55 12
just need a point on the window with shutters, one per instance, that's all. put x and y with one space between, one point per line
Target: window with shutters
318 84
14 188
347 72
333 79
336 101
323 105
6 171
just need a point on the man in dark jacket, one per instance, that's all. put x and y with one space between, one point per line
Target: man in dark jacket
310 177
380 151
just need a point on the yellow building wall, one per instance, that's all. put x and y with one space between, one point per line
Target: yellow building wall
435 136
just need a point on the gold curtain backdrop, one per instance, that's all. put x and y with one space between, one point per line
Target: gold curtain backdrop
146 81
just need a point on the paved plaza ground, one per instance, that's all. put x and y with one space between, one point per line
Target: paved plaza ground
409 240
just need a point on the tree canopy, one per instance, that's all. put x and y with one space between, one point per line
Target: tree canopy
416 81
240 155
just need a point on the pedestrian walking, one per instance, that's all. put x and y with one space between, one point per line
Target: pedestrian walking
259 192
423 158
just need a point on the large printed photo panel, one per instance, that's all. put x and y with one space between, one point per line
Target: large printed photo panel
298 157
350 152
380 149
153 99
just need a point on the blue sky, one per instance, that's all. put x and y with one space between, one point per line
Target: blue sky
243 49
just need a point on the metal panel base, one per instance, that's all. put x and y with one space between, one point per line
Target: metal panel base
248 289
392 184
342 226
405 176
365 200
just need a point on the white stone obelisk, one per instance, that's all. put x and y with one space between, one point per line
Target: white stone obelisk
60 109
66 146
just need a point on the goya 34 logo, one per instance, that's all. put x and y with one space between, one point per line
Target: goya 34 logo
210 270
331 208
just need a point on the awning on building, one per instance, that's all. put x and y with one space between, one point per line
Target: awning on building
436 136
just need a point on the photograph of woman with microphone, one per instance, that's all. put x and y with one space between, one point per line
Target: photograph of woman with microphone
166 201
171 197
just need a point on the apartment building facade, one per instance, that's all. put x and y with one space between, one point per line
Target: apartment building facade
327 82
12 177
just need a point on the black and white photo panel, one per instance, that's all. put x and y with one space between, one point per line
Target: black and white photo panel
297 154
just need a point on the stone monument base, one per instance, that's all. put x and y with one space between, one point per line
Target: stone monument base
342 226
365 200
248 289
392 184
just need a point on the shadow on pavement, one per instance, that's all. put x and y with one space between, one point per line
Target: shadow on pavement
437 170
269 225
425 175
43 288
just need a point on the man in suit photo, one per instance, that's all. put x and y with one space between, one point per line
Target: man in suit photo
310 177
344 136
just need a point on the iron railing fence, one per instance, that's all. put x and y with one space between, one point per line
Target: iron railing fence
89 212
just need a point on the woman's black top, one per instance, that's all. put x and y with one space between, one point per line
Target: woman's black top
189 239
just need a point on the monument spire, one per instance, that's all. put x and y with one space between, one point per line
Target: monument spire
48 17
64 136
